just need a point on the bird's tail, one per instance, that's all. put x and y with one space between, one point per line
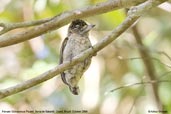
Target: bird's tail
74 90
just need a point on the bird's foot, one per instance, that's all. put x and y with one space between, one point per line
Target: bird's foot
94 54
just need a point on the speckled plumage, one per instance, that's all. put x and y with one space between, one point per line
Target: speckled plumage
76 42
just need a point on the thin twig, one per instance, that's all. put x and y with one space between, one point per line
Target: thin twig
165 54
153 58
11 26
140 83
164 75
159 77
135 99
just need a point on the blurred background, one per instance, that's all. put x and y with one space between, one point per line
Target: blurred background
116 65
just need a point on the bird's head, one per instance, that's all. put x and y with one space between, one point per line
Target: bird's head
79 27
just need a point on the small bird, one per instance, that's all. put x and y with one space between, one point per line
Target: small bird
76 42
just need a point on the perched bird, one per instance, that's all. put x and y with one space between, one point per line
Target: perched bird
76 42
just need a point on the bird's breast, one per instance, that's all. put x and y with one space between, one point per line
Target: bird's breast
75 45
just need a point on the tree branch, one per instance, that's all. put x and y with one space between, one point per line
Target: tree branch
153 58
148 63
141 83
11 26
142 8
64 18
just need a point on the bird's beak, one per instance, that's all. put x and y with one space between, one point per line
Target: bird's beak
89 27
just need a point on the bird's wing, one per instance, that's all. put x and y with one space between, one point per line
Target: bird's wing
62 50
61 58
